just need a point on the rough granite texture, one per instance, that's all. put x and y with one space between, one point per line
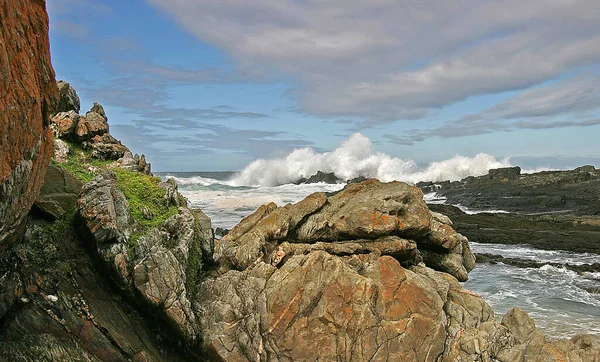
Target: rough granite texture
28 95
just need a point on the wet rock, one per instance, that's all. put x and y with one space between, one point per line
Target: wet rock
59 194
69 100
320 176
29 97
220 232
357 180
573 191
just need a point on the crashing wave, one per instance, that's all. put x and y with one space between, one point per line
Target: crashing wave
356 157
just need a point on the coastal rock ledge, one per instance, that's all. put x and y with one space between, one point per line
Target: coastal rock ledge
366 274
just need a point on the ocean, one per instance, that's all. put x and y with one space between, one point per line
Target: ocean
555 297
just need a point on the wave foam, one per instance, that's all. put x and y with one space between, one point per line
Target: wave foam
356 157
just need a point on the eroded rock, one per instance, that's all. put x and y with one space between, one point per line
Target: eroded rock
28 98
356 218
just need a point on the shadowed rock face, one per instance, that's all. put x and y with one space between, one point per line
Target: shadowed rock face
28 95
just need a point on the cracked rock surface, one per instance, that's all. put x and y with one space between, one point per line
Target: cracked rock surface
367 274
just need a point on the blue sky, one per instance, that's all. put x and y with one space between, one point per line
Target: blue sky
214 85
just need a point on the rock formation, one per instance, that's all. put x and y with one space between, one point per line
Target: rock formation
574 191
131 273
341 278
29 94
90 132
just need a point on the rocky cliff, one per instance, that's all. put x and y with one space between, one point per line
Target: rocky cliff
28 94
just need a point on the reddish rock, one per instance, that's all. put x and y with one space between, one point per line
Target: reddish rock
28 96
91 125
64 124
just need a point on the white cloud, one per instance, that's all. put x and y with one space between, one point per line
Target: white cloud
385 60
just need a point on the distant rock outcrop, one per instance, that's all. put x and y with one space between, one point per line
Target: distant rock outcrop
91 132
574 191
28 97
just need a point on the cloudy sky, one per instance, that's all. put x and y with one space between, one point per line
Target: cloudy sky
213 84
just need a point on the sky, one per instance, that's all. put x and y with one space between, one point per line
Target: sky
213 85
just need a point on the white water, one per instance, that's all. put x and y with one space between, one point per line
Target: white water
356 157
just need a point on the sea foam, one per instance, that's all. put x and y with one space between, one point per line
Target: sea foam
356 157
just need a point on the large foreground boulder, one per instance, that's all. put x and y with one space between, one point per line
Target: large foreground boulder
351 277
370 215
28 97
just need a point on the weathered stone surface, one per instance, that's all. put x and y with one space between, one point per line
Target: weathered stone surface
362 308
359 214
104 210
93 124
59 193
172 196
28 98
574 191
61 151
97 108
106 147
159 274
69 100
64 124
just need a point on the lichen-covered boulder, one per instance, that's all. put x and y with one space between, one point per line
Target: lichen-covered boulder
161 261
356 220
64 124
29 96
93 124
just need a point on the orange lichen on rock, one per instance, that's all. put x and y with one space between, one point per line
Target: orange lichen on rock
28 96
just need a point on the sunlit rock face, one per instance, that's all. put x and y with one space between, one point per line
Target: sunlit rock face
28 96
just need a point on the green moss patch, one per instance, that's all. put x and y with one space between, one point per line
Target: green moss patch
143 194
81 164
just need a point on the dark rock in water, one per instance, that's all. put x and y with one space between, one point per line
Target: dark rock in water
220 232
575 191
528 263
58 195
69 100
547 232
320 176
357 180
505 174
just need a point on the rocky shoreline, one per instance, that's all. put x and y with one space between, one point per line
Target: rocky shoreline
111 264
